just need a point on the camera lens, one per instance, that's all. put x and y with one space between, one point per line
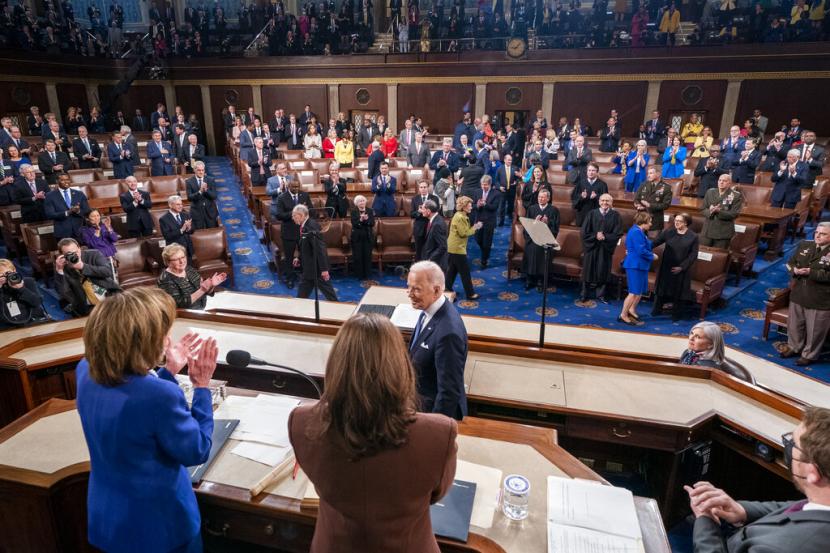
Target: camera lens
14 277
71 258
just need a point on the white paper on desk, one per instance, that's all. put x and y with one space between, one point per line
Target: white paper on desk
488 487
571 539
405 316
261 453
593 506
262 419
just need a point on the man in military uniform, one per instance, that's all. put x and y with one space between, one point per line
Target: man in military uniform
809 314
654 197
721 206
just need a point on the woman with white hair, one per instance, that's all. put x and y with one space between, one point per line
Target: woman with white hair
706 347
636 163
363 239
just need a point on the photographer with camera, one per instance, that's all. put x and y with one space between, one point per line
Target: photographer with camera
83 278
20 300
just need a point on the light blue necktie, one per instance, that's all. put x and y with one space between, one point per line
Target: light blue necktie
417 332
67 198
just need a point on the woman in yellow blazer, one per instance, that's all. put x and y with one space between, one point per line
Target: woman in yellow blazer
691 130
670 23
703 143
344 150
460 232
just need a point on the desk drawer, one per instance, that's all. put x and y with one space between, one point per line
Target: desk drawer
624 432
230 525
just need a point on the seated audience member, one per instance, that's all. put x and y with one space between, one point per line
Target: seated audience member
98 234
177 225
20 299
119 384
201 191
743 168
721 206
120 155
13 161
52 162
366 426
384 186
336 200
86 149
705 346
30 192
362 237
708 170
725 525
67 208
82 278
791 177
313 259
184 284
136 203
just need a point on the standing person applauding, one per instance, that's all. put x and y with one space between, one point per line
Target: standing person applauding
359 444
638 258
140 432
460 232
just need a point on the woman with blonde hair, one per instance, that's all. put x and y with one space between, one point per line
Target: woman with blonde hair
359 443
138 428
184 283
20 299
460 232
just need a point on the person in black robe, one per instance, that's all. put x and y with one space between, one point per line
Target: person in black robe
586 193
533 263
601 231
674 277
362 239
336 198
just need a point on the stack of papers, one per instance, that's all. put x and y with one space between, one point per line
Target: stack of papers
589 517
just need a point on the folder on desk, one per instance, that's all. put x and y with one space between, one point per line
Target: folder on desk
451 515
222 430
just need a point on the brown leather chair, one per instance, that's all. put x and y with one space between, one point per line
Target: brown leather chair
10 219
603 157
321 165
82 176
821 189
562 194
567 262
40 242
709 276
567 215
291 155
135 266
406 206
210 253
297 164
617 272
275 245
141 172
516 250
777 311
401 176
743 249
336 244
167 186
394 240
415 175
556 176
101 190
626 217
614 182
756 195
350 173
763 178
157 214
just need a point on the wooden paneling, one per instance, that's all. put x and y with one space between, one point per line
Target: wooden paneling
219 95
72 94
592 102
440 105
781 100
293 98
377 98
190 98
143 97
531 99
17 97
710 104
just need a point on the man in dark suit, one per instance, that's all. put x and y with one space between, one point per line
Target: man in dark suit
655 129
140 122
444 157
120 155
511 141
792 175
294 134
259 160
708 170
56 134
577 161
230 119
164 129
508 179
277 127
312 260
86 150
30 192
732 146
136 203
419 219
34 121
160 154
51 162
193 153
793 133
131 142
744 166
435 241
610 137
417 155
201 191
180 142
438 347
306 115
802 526
365 135
90 275
177 225
290 231
812 154
249 117
17 140
486 204
67 208
160 113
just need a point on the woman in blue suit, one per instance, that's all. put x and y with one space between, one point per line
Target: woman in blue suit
138 429
636 162
674 159
638 258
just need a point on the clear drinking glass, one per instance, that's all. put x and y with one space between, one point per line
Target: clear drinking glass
515 497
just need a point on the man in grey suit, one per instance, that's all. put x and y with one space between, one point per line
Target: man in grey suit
418 153
802 526
278 184
406 138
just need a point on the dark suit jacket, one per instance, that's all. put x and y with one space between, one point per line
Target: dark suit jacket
452 163
80 151
64 146
355 513
487 213
31 210
67 224
294 140
787 188
131 141
44 162
198 155
364 137
501 178
253 163
375 159
138 217
312 247
708 177
435 243
419 224
439 356
158 165
768 528
122 167
609 141
97 269
172 231
155 116
743 172
202 204
816 163
285 204
180 144
230 121
140 124
578 165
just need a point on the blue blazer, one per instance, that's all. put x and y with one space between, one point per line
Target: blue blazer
66 225
633 179
439 356
121 167
141 436
638 250
384 203
160 164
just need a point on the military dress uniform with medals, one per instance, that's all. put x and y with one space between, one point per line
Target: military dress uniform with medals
658 195
719 227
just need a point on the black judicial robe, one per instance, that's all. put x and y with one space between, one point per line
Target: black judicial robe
583 206
597 254
533 262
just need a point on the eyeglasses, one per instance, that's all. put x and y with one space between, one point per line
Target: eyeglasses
789 445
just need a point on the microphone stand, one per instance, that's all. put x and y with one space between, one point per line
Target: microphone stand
544 296
292 370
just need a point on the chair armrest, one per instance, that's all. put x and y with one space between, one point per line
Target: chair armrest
715 284
778 300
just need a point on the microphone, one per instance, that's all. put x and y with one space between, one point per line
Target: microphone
239 359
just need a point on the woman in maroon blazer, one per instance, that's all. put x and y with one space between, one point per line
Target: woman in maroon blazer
375 462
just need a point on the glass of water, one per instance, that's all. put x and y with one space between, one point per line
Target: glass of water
515 497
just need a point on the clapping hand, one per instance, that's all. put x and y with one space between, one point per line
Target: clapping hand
585 194
40 195
177 355
709 501
783 166
593 195
187 224
478 225
217 279
600 235
201 366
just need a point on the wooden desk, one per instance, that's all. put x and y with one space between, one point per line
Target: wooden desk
229 515
762 215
